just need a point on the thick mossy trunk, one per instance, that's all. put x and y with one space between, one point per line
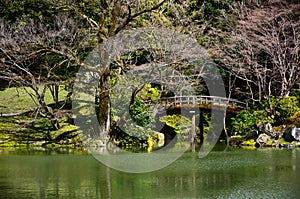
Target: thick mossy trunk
104 113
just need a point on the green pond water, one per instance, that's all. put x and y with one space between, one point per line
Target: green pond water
234 173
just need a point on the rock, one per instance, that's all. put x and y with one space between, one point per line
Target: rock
289 134
253 134
265 128
263 139
276 135
268 128
289 146
101 143
39 143
161 139
296 134
276 144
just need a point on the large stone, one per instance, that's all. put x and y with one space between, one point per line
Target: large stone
268 128
265 128
296 134
253 134
292 134
263 139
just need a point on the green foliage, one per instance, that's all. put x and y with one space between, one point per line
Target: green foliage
149 92
214 8
295 119
248 120
13 10
277 111
206 122
138 111
7 126
204 40
281 109
295 94
140 114
91 8
286 108
179 123
137 132
212 11
137 128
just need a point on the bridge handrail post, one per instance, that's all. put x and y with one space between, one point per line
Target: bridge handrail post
196 99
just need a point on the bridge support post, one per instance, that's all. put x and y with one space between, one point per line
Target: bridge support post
201 119
193 131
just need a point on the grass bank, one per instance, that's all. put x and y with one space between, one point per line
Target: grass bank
17 100
33 131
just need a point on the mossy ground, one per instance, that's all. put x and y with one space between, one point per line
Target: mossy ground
23 131
30 131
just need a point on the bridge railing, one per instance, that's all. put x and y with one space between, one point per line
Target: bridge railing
197 99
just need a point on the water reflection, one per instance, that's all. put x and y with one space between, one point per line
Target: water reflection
222 174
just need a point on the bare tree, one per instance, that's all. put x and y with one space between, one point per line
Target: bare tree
36 55
263 50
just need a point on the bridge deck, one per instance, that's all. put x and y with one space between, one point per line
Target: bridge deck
202 102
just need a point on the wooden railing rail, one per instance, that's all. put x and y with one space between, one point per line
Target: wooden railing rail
200 99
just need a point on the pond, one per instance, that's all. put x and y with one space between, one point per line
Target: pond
230 173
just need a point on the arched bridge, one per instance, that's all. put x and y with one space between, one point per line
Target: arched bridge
202 102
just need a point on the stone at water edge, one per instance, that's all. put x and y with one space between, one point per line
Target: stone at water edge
263 139
253 134
296 133
161 139
276 135
276 144
288 134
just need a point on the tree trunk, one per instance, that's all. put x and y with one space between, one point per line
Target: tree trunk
54 89
104 113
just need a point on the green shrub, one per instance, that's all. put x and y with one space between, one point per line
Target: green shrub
280 109
286 108
179 123
248 120
277 111
140 114
137 133
295 119
296 94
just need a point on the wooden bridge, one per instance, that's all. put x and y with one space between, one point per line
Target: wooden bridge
202 102
195 105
